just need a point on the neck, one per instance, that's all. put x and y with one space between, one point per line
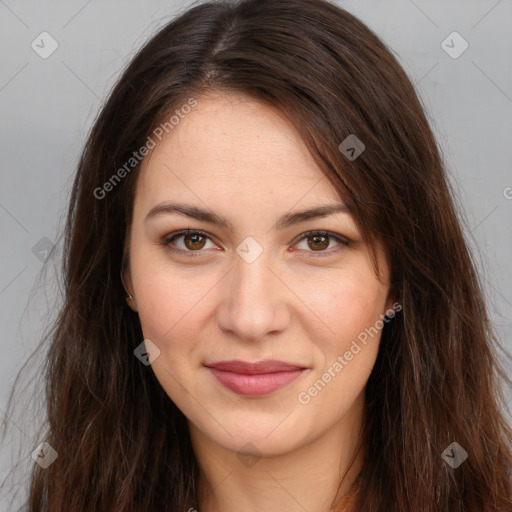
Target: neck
313 477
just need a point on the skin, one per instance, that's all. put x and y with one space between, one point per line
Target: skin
245 161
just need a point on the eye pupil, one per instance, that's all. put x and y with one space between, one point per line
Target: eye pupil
318 240
196 239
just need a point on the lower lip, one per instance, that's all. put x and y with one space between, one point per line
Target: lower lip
257 384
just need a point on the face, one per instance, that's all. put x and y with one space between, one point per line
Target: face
295 294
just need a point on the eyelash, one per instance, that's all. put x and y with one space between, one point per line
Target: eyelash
167 240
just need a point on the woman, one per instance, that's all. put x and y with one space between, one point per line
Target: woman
269 302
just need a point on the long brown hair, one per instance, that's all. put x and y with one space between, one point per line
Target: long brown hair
121 442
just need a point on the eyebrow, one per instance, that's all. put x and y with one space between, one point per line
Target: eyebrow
211 217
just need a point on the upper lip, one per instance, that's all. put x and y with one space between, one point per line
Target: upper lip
265 366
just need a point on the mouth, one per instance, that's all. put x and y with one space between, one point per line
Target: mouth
255 379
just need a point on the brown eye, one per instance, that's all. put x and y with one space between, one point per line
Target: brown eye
318 242
322 243
194 241
187 242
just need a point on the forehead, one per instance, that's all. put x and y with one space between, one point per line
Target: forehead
233 145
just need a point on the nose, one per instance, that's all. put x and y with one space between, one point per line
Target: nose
255 302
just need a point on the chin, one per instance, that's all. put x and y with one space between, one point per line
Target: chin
263 436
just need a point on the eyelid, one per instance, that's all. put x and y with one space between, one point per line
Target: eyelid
166 240
342 240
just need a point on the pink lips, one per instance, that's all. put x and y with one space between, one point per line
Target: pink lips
255 379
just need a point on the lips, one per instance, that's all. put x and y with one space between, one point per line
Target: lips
255 379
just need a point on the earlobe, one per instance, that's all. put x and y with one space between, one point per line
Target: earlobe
132 303
130 299
392 305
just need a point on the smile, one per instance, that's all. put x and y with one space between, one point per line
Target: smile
255 379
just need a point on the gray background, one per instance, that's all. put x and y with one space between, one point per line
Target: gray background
48 105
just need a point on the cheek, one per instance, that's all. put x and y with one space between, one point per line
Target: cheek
172 321
350 306
347 305
169 300
170 313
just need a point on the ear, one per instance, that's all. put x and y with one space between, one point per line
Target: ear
126 279
392 302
